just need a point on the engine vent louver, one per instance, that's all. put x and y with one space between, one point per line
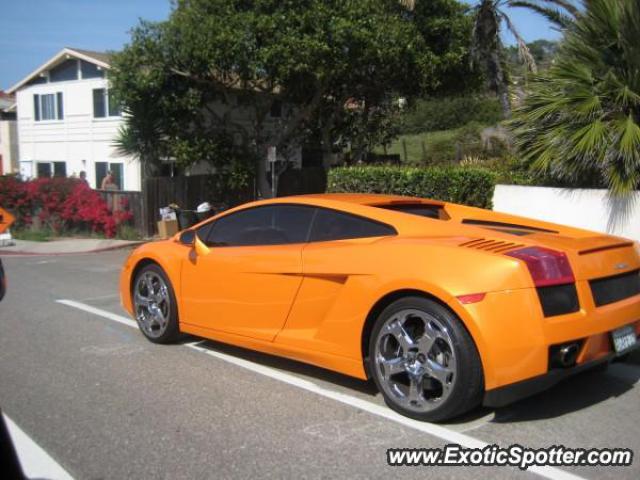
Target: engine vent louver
494 246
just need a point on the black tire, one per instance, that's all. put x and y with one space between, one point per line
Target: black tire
171 332
600 369
467 390
623 358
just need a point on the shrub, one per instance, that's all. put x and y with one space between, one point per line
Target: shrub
304 180
59 205
444 147
469 186
447 113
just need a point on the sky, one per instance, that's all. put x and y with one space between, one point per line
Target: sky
32 31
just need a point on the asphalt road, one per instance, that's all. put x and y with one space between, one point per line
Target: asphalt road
107 404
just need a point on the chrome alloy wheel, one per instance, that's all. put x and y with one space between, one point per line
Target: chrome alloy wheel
415 360
152 304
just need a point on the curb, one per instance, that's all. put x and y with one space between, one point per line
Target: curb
12 253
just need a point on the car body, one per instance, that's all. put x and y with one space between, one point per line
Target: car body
537 301
3 281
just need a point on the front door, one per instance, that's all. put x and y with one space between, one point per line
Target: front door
246 279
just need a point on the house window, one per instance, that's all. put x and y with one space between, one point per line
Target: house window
104 105
116 168
43 170
47 169
89 70
67 70
48 106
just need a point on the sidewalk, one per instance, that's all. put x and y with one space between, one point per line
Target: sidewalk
65 246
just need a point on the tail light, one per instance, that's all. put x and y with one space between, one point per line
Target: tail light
547 267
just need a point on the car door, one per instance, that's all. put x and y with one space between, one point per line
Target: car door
339 269
245 280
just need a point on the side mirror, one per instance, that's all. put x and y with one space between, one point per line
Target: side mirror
188 237
200 247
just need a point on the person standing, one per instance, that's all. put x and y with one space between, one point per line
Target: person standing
108 182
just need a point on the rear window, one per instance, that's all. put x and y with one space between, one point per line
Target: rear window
420 209
331 225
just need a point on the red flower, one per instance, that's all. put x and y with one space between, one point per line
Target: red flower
61 204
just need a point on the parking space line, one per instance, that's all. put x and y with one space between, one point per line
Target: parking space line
443 433
101 313
35 462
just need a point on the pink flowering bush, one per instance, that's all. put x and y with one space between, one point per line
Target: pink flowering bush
60 204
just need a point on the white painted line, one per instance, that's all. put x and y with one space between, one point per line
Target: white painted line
35 462
449 436
101 313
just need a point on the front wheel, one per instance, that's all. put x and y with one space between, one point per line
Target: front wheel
424 361
154 305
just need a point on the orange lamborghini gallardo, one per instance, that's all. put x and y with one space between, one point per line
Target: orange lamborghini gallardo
444 306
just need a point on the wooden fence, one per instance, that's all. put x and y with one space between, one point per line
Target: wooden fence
127 200
190 191
187 193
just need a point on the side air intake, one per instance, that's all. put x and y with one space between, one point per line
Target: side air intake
494 246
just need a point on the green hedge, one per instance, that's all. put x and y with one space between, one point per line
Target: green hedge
469 186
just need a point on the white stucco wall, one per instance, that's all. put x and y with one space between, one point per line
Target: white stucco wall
79 139
583 208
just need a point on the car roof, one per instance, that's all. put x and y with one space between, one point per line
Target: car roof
360 198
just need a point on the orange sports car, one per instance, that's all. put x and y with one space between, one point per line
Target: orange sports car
443 305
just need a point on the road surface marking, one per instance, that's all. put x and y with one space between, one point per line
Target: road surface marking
35 462
450 436
101 313
101 297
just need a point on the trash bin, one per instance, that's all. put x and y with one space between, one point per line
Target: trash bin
204 211
186 218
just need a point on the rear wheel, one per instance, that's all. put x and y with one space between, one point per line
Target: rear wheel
424 361
154 305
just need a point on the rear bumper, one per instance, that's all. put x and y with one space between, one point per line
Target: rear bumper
514 337
502 396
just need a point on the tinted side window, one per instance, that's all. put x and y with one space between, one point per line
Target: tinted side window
203 231
332 225
270 225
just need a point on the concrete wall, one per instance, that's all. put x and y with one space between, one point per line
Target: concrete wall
79 139
583 208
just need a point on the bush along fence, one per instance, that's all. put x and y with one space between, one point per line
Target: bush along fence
62 206
469 186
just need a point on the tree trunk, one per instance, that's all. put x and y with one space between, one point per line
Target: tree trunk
501 86
264 187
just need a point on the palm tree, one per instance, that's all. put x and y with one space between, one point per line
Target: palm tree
140 137
487 47
581 120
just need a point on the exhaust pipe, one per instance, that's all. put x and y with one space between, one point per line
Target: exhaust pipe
564 355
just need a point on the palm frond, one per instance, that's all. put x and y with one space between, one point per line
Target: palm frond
557 16
581 119
523 49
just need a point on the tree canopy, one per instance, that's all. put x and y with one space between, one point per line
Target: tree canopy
312 57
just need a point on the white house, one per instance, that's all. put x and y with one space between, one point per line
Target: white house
8 135
67 122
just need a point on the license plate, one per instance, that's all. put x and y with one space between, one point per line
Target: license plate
624 338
